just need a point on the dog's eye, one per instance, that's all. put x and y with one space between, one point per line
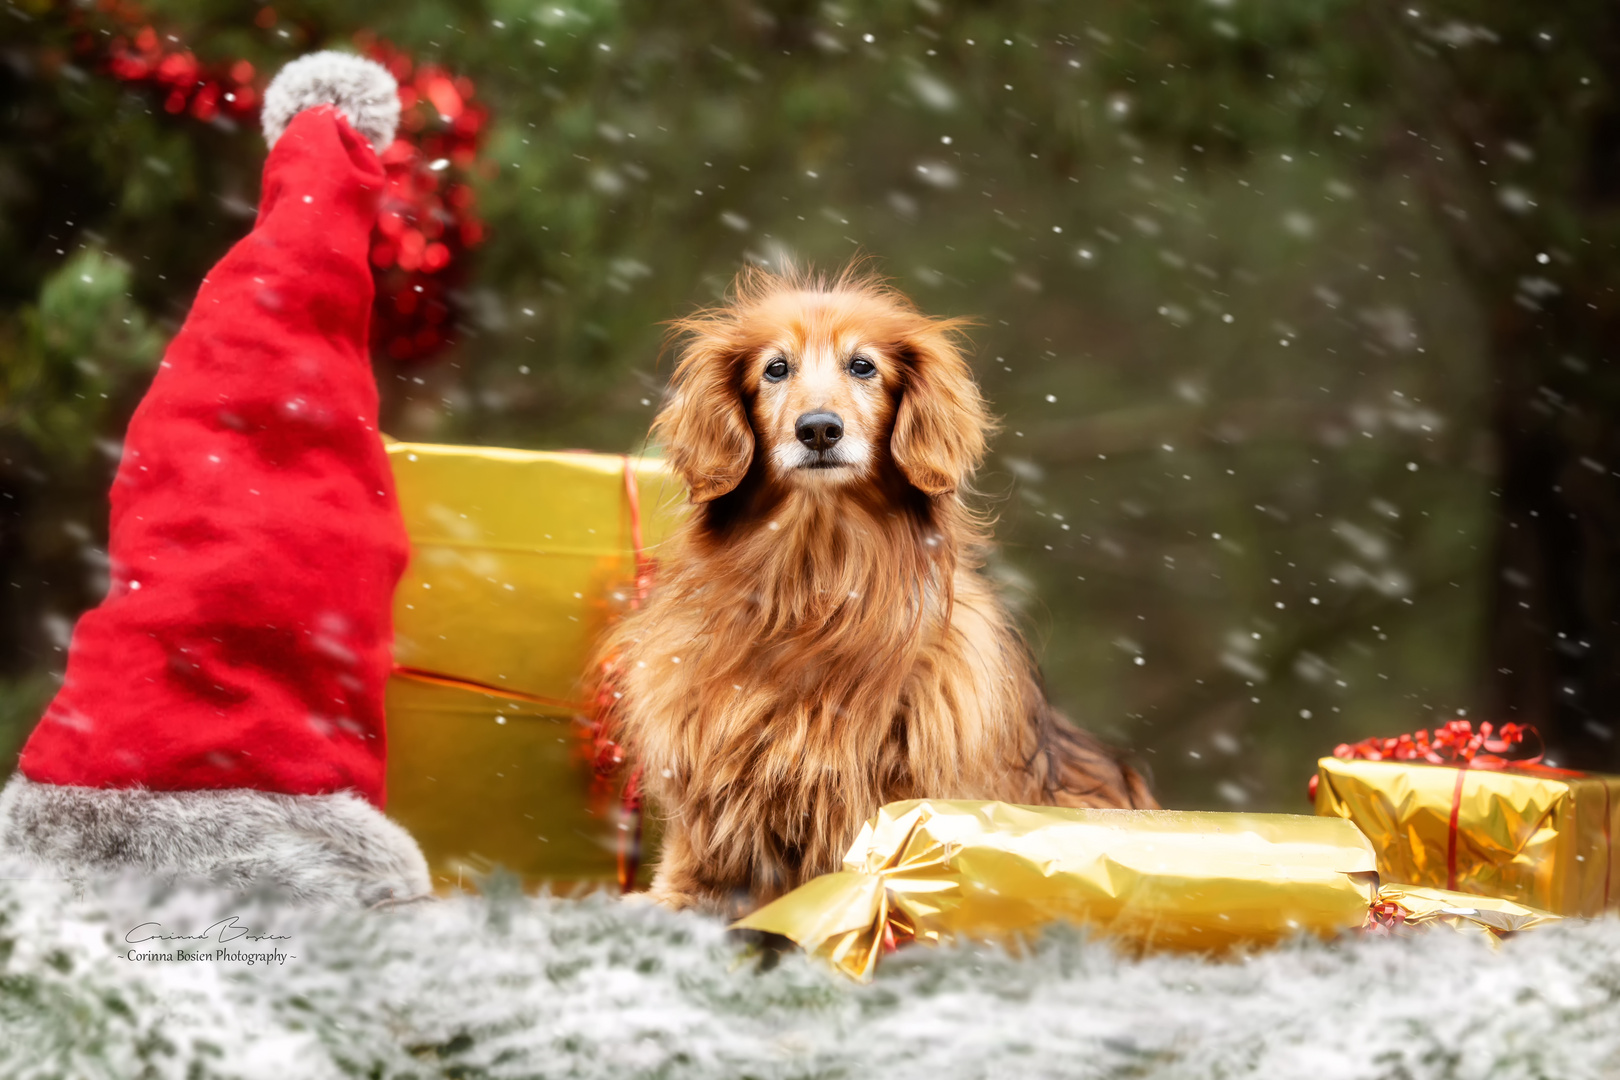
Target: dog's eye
862 368
776 370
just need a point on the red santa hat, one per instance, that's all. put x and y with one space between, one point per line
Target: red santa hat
222 709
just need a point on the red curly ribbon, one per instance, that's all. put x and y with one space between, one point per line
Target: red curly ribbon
1385 917
1452 743
629 861
644 564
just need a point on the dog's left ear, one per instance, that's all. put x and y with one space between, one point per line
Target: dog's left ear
942 423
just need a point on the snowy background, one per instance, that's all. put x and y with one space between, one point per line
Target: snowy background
508 986
1299 316
1270 297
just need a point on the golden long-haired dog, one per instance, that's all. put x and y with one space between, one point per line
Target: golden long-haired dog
819 642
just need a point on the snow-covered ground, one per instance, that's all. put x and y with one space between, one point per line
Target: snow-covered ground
515 986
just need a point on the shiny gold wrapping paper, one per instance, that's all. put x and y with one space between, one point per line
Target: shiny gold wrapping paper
1205 882
518 560
1486 915
1542 837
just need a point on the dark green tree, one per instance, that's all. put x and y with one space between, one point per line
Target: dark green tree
1503 118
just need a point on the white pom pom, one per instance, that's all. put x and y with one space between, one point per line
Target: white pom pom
360 89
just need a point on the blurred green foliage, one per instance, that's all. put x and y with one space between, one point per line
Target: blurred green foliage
83 340
1241 291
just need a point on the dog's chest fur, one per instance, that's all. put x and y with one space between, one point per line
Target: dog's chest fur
770 782
773 708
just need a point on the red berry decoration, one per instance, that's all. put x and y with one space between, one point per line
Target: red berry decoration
426 224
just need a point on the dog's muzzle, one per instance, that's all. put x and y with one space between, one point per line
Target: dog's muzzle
820 443
819 430
819 433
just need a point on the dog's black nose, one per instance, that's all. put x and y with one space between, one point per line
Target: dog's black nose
819 430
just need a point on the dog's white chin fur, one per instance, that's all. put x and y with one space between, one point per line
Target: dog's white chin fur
314 849
847 461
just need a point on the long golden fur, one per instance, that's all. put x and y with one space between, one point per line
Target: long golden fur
819 642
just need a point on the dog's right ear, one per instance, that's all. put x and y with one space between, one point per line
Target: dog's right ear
704 426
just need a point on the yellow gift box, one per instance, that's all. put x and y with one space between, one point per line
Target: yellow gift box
1536 835
519 559
934 870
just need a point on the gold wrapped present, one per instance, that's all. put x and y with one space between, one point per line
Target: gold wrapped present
1420 907
518 561
1152 879
1450 812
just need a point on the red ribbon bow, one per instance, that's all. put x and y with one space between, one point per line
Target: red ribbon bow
1452 743
1385 917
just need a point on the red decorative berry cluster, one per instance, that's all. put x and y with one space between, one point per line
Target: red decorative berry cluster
427 222
181 80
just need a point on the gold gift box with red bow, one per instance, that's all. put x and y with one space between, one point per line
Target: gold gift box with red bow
1451 811
519 559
